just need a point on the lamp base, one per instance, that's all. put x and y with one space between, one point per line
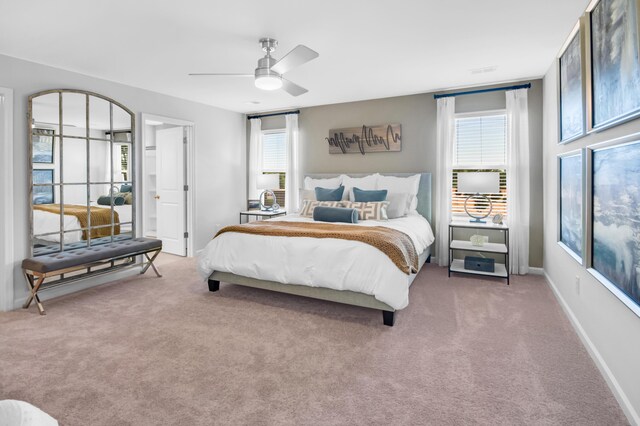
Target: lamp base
478 219
263 199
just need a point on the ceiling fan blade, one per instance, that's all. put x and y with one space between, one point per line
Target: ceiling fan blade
299 55
222 74
292 88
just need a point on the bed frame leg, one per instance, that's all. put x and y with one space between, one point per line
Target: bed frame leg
428 259
214 285
388 318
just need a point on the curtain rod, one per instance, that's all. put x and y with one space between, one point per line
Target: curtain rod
249 117
473 92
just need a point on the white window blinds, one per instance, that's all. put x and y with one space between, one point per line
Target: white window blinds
274 154
480 146
480 141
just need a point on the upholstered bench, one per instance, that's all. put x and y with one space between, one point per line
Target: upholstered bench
37 269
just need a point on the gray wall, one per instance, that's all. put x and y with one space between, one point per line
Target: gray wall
609 329
220 155
417 115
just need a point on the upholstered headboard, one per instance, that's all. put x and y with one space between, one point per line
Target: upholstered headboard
424 192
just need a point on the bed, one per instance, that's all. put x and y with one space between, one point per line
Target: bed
337 270
46 224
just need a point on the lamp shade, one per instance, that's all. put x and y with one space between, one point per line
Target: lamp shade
268 181
479 182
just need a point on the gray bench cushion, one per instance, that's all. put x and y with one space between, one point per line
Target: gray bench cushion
78 257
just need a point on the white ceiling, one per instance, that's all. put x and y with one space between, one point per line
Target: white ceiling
367 49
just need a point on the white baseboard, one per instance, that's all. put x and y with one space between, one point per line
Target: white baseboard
80 285
536 271
621 397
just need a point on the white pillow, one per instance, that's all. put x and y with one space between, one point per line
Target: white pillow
330 183
410 185
13 412
306 194
367 183
399 204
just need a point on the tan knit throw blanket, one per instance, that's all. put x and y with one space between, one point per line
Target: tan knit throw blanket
395 244
99 216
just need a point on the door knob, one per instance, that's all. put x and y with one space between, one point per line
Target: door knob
157 197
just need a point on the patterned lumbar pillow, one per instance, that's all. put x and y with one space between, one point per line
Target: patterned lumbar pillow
371 210
309 205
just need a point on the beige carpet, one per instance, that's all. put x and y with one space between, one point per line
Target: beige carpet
149 351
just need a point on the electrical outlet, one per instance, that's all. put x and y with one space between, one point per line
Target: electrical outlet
577 284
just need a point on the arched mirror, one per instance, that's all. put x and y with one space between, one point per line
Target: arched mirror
82 171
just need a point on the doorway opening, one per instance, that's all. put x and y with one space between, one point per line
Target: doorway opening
167 183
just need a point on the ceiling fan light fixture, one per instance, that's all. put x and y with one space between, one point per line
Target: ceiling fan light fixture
268 82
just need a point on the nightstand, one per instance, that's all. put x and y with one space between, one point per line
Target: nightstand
262 214
502 248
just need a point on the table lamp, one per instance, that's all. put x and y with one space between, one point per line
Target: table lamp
268 183
477 184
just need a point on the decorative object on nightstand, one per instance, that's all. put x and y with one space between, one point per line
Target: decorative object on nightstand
479 265
479 240
497 219
267 183
253 204
477 184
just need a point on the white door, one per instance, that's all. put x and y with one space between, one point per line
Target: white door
170 194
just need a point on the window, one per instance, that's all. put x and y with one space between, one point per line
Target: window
274 158
480 145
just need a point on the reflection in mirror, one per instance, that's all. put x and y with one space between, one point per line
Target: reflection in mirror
44 146
83 170
45 112
43 190
121 196
121 124
74 161
74 114
121 162
99 117
75 208
43 244
100 170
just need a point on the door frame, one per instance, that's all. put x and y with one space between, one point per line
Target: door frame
6 193
191 172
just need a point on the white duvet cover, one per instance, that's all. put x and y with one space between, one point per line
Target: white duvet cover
319 262
46 222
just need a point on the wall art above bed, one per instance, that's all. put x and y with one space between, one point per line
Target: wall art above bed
353 140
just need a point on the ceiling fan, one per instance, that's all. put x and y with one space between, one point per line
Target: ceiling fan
268 75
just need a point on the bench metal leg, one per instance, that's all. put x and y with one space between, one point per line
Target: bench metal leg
150 263
33 288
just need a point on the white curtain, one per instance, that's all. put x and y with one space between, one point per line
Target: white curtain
518 180
444 168
255 157
292 178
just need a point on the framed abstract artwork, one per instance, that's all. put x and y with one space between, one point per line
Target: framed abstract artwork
571 203
42 140
571 98
42 186
615 63
615 209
